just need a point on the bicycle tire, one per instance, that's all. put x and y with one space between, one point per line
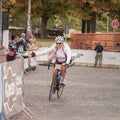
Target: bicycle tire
53 88
60 90
59 86
51 92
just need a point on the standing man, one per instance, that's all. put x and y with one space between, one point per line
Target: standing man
98 57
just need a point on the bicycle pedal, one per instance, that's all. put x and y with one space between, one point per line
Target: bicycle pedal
53 90
62 84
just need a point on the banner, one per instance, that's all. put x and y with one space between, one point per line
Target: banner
29 26
0 88
12 87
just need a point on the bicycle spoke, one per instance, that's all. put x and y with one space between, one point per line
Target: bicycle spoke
60 91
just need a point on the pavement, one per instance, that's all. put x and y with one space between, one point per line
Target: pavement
90 94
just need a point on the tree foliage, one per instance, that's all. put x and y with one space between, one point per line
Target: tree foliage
86 10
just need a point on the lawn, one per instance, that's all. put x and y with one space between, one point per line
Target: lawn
47 42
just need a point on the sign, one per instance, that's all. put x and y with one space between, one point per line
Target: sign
12 88
115 23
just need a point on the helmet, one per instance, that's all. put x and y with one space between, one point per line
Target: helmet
59 39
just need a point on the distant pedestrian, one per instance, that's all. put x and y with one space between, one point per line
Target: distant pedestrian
98 57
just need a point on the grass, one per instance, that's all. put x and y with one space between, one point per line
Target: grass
47 42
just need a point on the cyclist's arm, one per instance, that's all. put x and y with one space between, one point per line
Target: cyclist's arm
68 53
46 51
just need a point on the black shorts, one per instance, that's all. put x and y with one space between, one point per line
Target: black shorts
60 62
25 57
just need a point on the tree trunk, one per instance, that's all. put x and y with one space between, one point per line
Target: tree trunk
88 26
83 26
93 23
43 26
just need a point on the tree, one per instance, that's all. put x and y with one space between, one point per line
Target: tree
86 10
48 9
89 10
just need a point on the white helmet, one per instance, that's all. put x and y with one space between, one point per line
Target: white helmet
59 39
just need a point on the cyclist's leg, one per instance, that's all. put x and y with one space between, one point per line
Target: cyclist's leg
54 77
63 74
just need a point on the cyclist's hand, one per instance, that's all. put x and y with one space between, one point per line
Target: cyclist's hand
49 61
63 64
66 65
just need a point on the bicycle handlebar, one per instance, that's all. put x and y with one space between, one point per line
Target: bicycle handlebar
53 64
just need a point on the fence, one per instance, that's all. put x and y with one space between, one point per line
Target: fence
110 41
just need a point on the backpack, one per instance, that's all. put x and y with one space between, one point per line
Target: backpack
21 46
11 56
63 52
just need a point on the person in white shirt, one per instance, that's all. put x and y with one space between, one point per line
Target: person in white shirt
61 52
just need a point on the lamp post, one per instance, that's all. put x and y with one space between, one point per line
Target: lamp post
107 23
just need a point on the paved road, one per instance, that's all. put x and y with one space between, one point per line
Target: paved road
90 94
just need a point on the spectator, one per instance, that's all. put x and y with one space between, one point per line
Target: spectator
98 57
31 46
22 44
14 42
11 55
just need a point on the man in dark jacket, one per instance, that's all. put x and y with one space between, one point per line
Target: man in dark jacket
98 57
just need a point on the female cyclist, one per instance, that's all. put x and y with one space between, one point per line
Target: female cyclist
61 52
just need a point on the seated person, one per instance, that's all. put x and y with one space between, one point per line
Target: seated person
11 55
21 46
31 46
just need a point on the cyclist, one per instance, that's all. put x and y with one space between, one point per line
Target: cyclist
61 52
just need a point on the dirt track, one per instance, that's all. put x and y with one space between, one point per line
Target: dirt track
90 94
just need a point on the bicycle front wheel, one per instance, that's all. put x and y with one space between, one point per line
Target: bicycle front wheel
60 90
51 92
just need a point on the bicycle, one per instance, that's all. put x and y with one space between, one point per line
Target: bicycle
58 86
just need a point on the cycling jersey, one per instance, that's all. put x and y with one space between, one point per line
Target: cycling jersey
60 54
